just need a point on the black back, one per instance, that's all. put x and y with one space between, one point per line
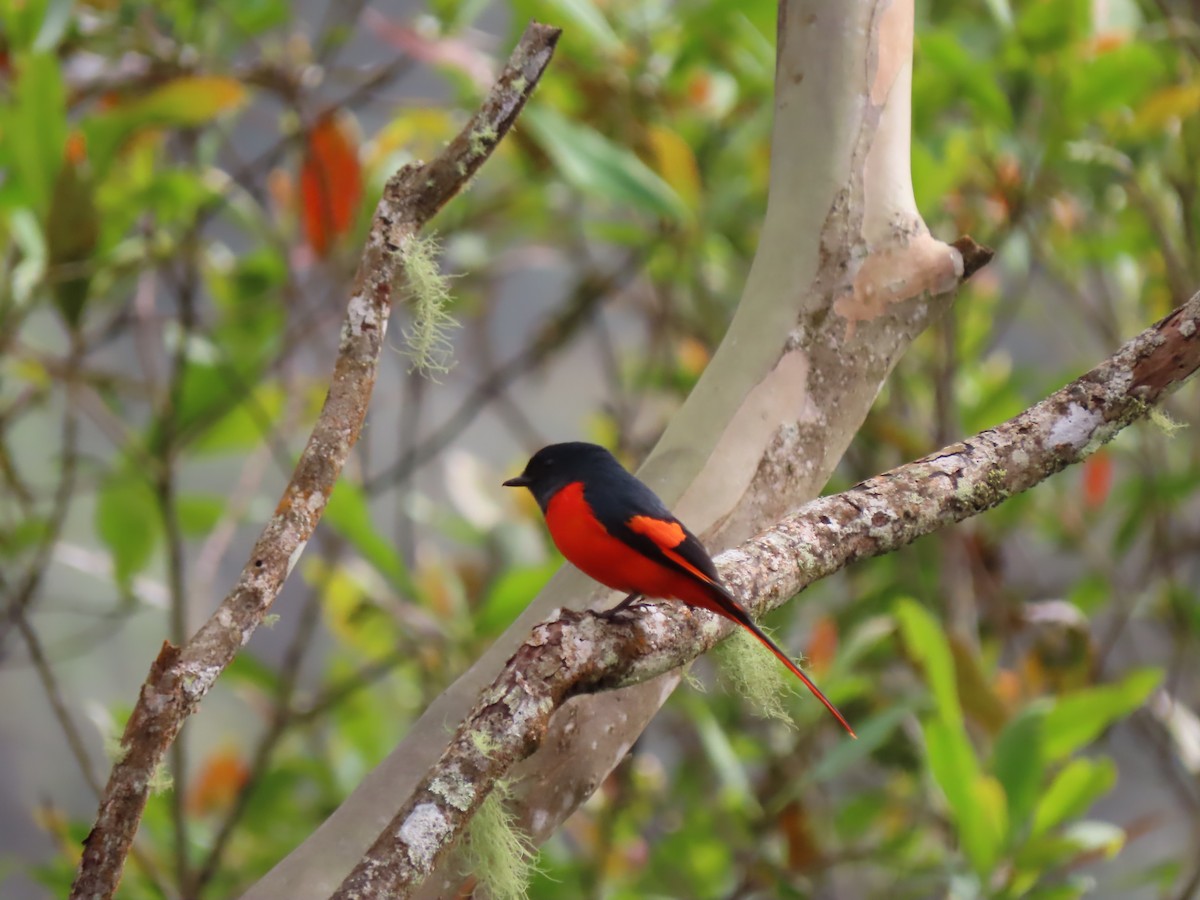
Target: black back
614 495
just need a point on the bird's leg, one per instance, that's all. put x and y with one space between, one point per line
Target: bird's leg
614 614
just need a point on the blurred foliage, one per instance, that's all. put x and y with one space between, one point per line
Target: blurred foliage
183 188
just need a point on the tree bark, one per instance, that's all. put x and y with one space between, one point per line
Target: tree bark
846 275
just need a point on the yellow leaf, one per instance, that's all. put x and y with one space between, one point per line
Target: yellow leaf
349 614
186 101
979 701
1178 101
675 162
420 132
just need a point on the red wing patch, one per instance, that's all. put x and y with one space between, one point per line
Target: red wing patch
664 533
667 535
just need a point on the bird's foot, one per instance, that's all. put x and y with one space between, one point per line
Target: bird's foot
623 612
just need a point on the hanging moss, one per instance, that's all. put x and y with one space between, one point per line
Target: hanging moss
427 337
496 852
756 675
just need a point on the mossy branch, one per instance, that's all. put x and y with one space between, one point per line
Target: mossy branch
578 652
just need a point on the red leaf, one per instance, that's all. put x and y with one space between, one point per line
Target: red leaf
1097 478
222 775
330 183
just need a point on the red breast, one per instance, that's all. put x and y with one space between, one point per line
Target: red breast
587 545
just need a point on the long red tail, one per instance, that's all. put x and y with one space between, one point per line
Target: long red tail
728 607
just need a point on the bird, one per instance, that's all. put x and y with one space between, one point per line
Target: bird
614 529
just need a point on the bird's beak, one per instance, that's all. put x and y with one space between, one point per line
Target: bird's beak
519 481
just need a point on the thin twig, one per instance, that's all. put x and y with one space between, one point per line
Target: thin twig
169 404
181 676
26 591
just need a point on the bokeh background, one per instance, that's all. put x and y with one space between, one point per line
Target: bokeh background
184 189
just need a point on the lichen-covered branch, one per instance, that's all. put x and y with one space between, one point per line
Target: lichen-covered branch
181 676
580 653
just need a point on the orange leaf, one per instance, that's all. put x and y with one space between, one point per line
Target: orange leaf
822 644
1097 478
803 850
330 182
215 788
1105 41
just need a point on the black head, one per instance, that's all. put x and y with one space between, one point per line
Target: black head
554 467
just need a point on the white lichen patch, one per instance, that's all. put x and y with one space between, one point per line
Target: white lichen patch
454 789
1187 327
657 626
424 832
361 314
1074 429
197 679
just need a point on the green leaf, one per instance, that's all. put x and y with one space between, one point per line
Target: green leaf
255 16
731 772
350 516
36 130
585 16
596 166
250 670
872 734
509 594
1122 77
72 231
956 65
26 533
128 522
1072 792
245 426
976 801
1017 762
1079 717
186 102
927 645
22 22
28 273
199 513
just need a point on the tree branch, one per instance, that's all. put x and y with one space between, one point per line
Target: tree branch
577 652
181 676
